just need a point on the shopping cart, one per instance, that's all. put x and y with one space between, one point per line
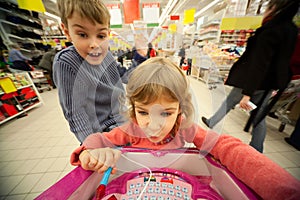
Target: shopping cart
173 177
286 108
209 72
39 80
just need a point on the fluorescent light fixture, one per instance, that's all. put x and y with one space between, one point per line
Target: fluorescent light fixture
179 6
171 4
206 8
52 16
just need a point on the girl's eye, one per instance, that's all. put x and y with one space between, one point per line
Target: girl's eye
165 114
142 113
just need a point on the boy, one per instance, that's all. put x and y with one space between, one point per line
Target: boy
86 74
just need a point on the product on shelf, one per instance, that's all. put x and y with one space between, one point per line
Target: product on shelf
18 94
237 37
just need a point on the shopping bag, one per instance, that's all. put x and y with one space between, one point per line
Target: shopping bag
185 67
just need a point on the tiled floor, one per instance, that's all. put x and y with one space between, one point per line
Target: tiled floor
35 149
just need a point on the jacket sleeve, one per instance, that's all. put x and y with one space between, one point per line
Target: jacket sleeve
66 79
74 159
115 137
257 171
259 58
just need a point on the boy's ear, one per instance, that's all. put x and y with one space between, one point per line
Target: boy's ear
66 31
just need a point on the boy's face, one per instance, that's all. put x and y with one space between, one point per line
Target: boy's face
157 119
90 40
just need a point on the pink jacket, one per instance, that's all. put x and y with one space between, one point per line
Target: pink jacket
257 171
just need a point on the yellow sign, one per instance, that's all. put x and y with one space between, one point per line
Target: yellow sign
189 16
34 5
7 85
241 23
172 28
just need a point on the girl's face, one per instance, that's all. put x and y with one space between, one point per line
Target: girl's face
157 119
90 40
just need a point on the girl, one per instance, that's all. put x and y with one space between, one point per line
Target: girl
161 117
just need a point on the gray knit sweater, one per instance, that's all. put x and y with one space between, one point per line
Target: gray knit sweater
88 94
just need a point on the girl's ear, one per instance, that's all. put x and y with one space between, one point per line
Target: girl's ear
66 31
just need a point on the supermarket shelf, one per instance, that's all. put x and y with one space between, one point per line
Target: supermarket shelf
21 77
19 88
20 25
54 36
212 23
21 112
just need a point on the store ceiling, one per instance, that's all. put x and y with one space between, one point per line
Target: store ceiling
173 7
178 9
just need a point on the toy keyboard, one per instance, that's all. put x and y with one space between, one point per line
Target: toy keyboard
163 184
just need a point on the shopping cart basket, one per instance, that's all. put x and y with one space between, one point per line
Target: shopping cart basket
39 80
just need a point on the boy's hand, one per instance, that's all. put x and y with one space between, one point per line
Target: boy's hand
99 160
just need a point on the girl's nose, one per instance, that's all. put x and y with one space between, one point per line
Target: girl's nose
156 121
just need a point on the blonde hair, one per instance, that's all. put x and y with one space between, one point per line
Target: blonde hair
94 10
159 77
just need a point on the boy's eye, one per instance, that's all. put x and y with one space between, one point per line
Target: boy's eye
102 36
83 35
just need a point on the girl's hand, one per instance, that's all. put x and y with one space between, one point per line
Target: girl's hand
244 103
99 160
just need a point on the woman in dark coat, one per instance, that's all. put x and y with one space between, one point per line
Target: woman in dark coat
262 68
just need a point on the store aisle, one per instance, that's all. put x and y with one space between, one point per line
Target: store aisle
35 149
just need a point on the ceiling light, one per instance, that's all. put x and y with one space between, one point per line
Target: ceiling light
206 8
52 16
171 4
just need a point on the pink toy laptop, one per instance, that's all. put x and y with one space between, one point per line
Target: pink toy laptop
160 184
155 175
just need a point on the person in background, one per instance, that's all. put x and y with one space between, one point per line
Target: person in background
181 54
4 64
151 51
161 117
294 139
120 55
20 62
139 58
86 74
185 66
191 53
128 54
35 59
263 67
46 62
189 60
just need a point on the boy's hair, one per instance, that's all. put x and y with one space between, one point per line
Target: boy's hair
94 10
159 77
